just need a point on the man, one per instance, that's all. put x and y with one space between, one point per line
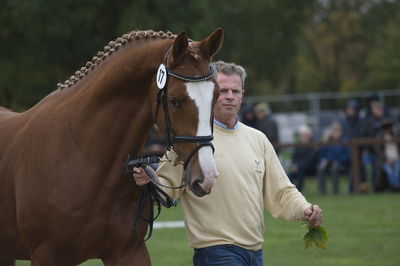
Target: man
333 159
304 158
227 226
266 123
351 124
370 129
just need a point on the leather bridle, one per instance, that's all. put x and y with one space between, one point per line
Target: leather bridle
162 98
152 189
163 72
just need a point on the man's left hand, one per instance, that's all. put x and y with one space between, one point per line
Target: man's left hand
313 215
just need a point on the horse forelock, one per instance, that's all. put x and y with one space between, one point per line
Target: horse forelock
110 49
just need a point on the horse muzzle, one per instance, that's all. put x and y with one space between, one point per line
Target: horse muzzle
202 177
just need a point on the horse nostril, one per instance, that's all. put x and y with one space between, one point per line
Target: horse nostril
198 190
196 185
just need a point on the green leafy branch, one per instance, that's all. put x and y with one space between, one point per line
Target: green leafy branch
316 235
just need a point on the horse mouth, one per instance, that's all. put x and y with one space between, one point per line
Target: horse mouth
198 190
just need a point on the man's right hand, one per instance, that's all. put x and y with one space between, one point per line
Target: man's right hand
140 176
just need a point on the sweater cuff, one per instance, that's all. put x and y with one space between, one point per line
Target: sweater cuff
300 213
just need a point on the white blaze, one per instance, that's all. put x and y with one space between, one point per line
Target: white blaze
202 94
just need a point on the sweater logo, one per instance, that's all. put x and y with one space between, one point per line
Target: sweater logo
259 167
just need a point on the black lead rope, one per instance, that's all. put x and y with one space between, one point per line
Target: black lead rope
149 193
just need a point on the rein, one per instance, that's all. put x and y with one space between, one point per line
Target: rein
143 162
152 191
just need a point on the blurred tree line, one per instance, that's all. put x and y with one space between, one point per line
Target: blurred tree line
286 46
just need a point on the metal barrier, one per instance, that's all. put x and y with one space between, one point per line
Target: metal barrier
317 105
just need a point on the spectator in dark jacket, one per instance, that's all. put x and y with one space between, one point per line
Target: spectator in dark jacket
351 122
304 158
352 125
248 116
333 159
370 129
266 123
371 100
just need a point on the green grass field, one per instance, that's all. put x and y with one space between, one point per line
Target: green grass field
364 230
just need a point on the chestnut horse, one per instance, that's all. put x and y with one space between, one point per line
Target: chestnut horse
64 197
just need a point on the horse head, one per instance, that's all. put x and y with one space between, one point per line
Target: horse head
188 93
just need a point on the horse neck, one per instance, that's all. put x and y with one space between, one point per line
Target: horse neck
113 107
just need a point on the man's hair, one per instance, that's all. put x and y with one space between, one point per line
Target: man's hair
230 69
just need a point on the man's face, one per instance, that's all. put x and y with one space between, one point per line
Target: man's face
230 98
351 112
304 136
377 111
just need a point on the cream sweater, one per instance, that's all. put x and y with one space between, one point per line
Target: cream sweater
251 179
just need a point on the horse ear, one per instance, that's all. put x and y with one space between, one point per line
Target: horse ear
211 45
180 45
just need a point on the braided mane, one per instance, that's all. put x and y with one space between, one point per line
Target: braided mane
110 49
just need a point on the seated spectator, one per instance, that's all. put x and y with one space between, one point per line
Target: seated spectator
333 159
304 158
390 155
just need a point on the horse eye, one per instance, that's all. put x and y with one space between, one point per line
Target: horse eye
175 102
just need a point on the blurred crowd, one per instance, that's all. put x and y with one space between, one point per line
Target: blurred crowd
329 158
376 130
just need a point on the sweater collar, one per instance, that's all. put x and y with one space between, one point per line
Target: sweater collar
222 125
